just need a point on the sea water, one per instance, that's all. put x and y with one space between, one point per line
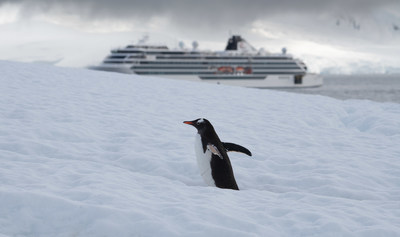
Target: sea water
380 87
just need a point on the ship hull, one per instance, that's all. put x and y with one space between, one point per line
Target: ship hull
259 81
268 81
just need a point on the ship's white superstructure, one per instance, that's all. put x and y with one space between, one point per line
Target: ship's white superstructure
240 64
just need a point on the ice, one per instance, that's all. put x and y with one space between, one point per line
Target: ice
87 153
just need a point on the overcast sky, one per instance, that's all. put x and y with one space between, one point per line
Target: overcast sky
308 28
209 15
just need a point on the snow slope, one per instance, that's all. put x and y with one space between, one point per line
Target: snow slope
87 153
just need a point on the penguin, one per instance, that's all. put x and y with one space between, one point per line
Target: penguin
212 158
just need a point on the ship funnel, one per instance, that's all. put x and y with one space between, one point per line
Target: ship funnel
237 43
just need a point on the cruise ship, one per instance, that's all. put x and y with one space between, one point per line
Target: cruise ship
240 64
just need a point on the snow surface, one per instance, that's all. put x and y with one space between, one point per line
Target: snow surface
87 153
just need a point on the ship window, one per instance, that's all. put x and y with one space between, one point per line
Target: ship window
298 79
117 56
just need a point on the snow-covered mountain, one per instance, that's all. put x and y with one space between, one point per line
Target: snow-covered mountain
338 43
88 153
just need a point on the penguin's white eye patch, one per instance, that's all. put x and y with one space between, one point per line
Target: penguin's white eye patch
200 121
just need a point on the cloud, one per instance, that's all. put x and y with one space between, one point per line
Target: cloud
188 12
203 20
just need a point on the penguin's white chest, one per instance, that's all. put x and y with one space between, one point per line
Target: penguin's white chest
203 161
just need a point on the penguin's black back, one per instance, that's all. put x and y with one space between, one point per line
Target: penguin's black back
221 169
222 173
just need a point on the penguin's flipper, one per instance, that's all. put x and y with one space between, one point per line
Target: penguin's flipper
234 147
213 149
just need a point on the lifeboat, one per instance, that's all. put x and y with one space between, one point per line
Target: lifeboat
225 69
248 70
239 69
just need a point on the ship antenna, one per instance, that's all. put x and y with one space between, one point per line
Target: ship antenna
144 39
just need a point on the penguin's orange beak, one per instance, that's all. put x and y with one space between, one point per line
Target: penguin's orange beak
188 122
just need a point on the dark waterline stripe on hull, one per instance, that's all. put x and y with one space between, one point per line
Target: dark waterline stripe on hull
233 78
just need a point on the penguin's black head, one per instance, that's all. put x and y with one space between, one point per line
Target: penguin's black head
201 124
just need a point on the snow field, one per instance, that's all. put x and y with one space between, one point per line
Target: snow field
86 153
